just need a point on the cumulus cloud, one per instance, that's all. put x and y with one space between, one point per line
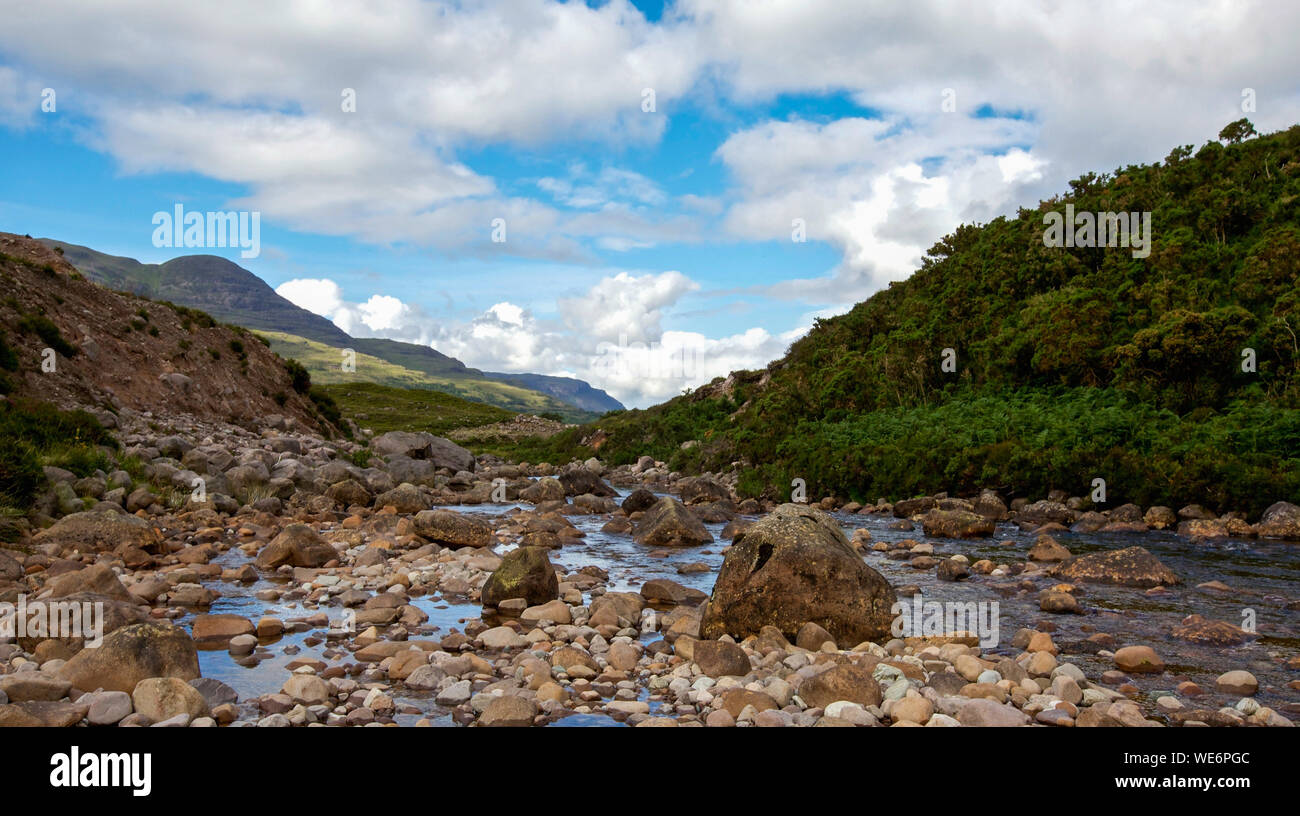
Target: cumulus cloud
880 190
1037 98
611 335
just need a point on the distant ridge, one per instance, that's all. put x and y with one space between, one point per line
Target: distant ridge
232 294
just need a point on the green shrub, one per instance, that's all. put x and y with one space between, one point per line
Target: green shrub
299 377
45 329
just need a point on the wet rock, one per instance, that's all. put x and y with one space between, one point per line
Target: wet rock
307 689
451 529
795 566
956 524
299 546
639 500
1280 520
1199 629
543 490
1049 549
1045 512
213 629
1059 602
579 480
1238 682
131 654
1160 518
952 569
1133 566
525 573
668 592
669 524
907 508
701 490
1139 659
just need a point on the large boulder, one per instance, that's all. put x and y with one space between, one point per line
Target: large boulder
525 573
669 524
956 524
508 711
96 531
720 658
348 492
10 568
131 654
580 480
912 507
1045 512
1047 548
161 698
1280 520
791 567
298 546
114 615
97 579
442 453
1133 567
451 529
220 629
406 498
638 500
845 681
543 490
701 490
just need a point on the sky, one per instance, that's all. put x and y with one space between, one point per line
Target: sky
641 195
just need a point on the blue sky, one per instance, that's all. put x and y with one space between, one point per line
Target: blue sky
641 234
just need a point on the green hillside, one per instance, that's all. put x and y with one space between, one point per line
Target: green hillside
385 408
324 362
1072 363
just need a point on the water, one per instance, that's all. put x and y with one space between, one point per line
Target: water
1262 574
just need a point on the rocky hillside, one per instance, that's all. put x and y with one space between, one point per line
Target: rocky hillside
232 294
110 351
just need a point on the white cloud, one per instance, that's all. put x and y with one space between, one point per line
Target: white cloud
611 335
317 295
863 185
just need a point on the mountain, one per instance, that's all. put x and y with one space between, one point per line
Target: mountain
234 295
68 341
575 392
323 361
1173 375
223 289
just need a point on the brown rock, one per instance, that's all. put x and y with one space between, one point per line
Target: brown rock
795 566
